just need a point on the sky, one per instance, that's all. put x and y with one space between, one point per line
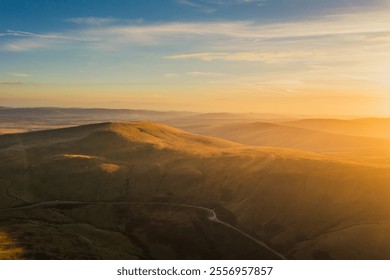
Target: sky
306 57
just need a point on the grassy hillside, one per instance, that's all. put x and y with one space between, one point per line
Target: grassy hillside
304 205
357 148
370 127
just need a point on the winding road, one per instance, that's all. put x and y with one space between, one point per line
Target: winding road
213 215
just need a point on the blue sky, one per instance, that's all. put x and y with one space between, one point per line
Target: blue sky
208 55
45 15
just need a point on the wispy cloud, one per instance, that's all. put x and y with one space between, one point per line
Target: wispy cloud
194 74
17 33
25 45
20 75
171 76
204 74
234 2
210 6
169 31
199 6
12 83
20 41
316 52
91 20
239 35
246 36
268 57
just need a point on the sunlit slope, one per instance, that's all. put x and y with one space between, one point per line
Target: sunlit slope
362 149
99 158
370 127
303 204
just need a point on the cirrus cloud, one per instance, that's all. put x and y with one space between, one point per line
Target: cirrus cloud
268 57
91 20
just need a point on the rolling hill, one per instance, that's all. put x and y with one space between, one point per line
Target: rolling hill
369 127
357 148
139 190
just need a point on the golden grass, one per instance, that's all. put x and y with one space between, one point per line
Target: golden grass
9 249
109 168
11 130
78 156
